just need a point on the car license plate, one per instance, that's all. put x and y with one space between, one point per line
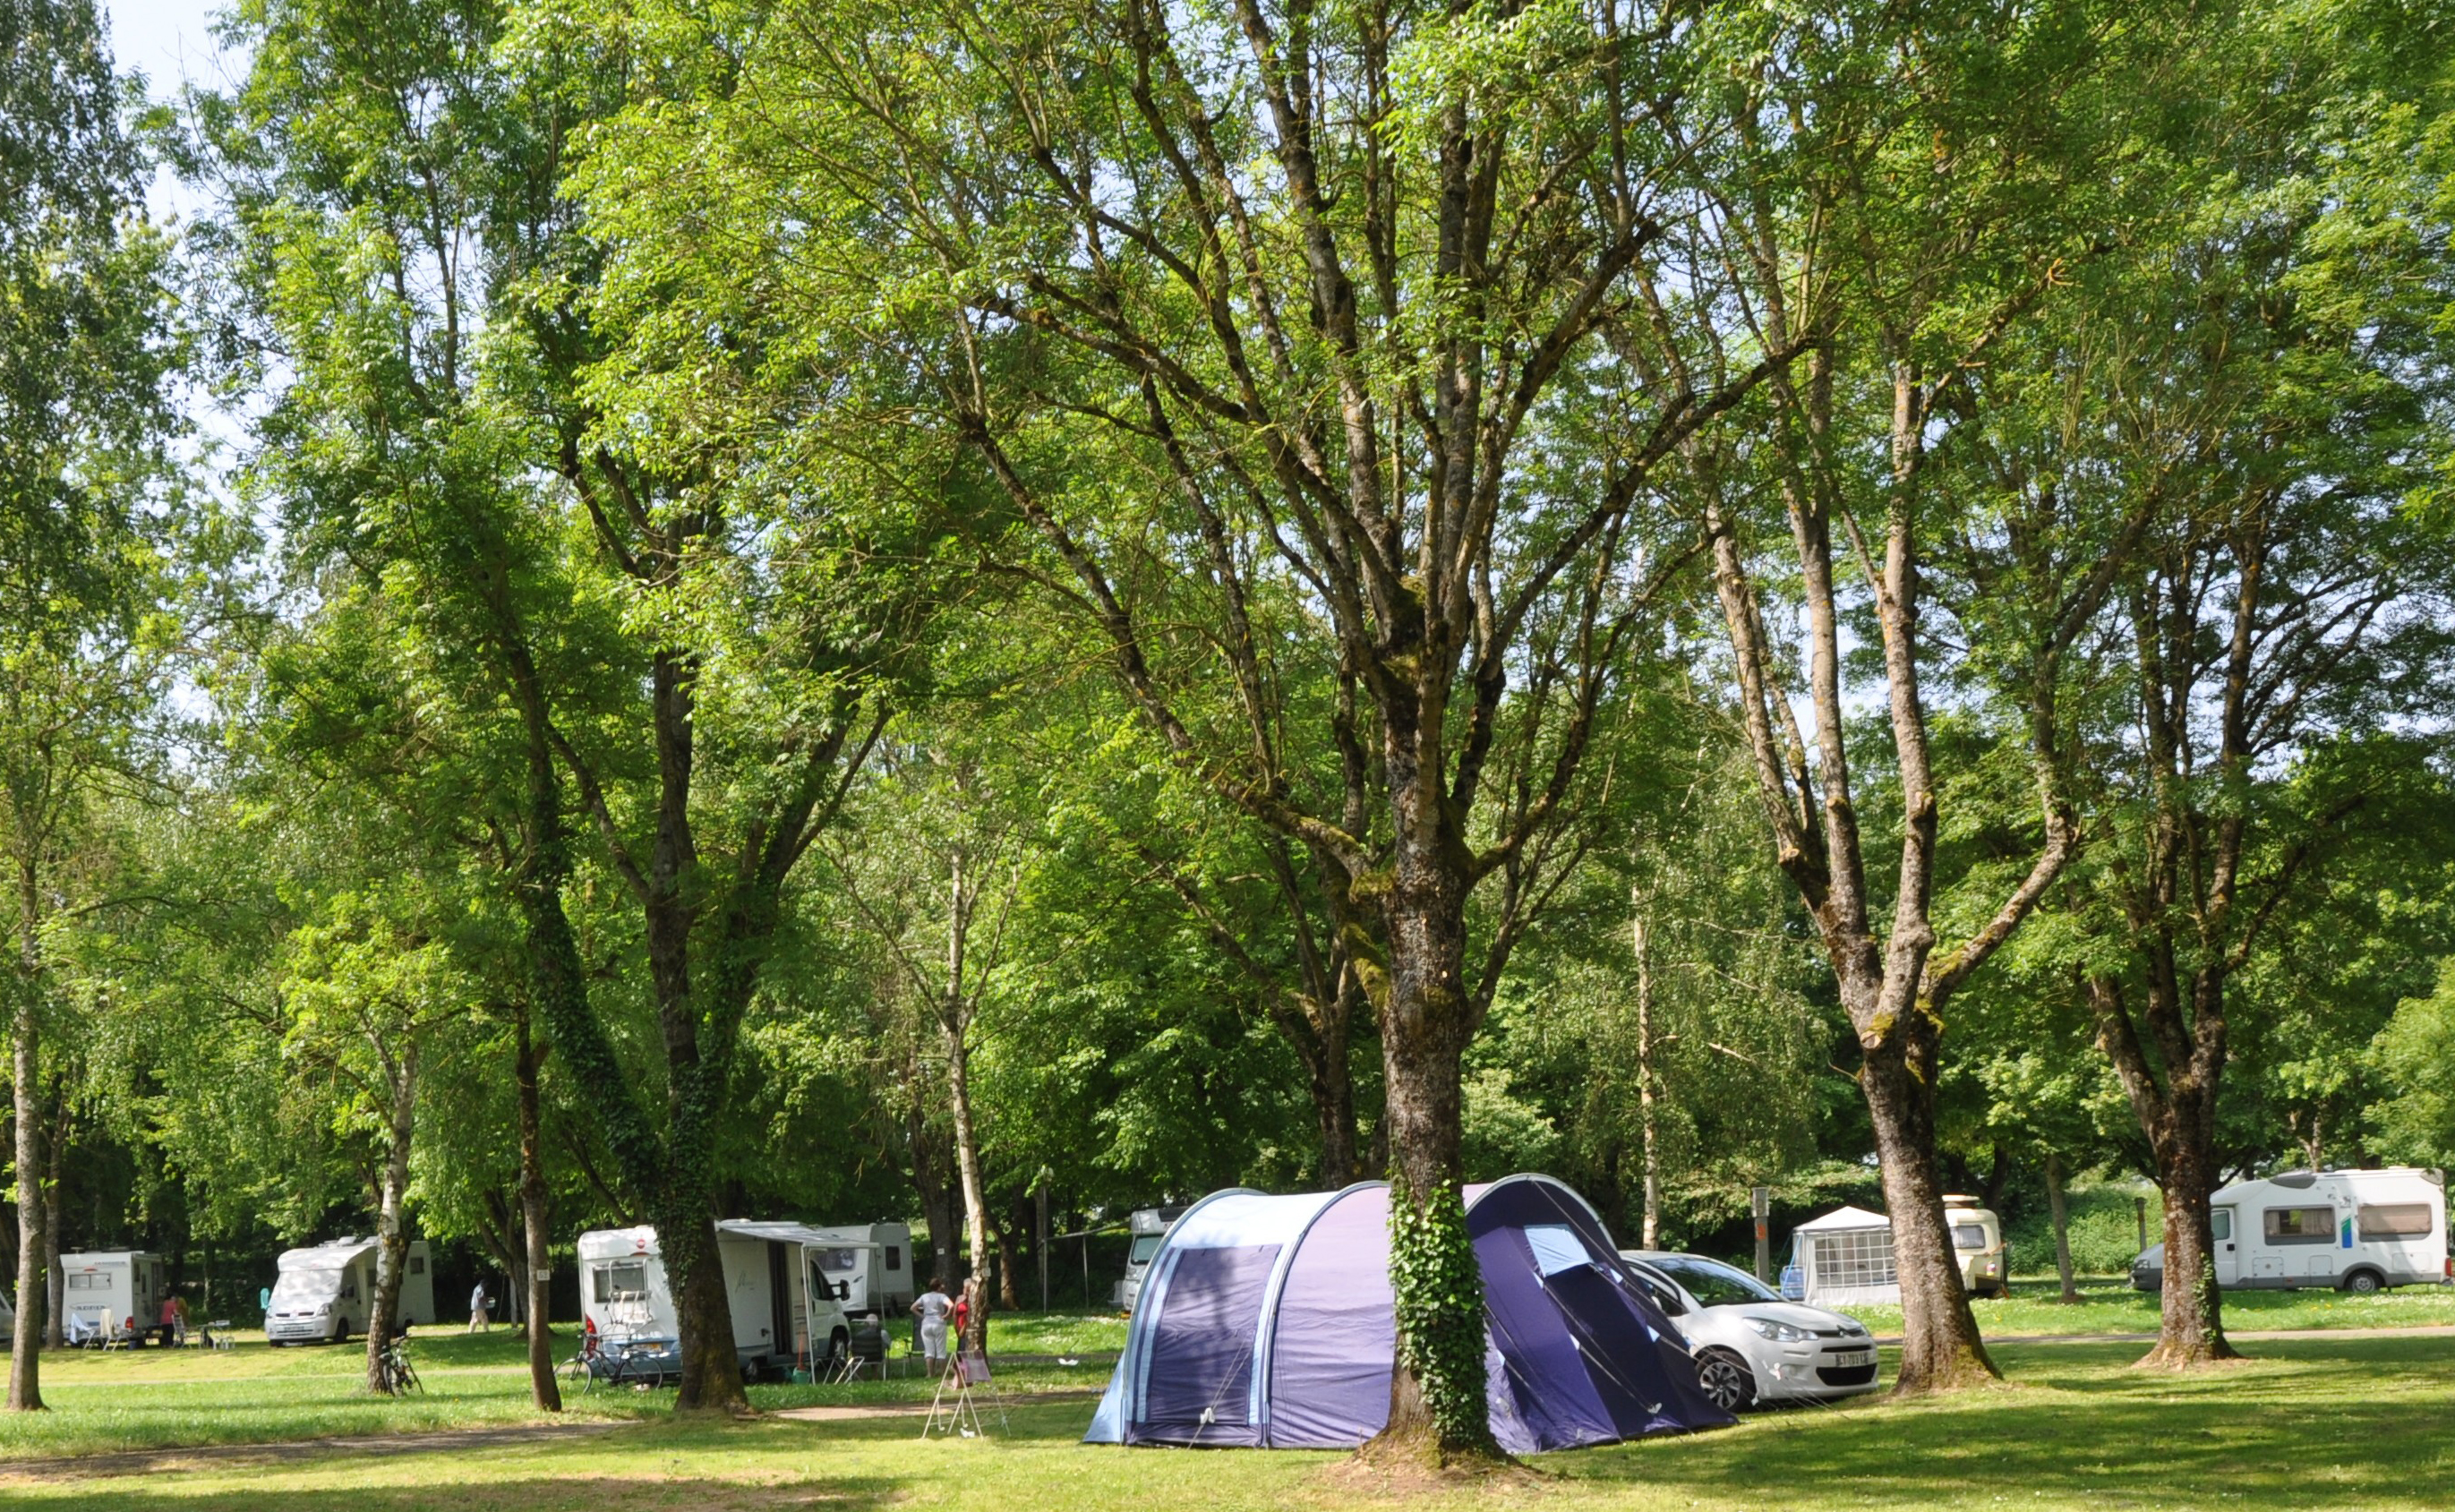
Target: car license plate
1851 1357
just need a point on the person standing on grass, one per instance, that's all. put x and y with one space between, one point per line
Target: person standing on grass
477 1320
932 1308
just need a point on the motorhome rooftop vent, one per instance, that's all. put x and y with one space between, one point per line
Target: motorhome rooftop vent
2296 1179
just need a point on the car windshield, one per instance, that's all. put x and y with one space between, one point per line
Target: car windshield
1715 1284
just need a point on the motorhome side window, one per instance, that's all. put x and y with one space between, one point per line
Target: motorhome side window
2220 1223
1145 1245
88 1281
2395 1220
2301 1225
895 1257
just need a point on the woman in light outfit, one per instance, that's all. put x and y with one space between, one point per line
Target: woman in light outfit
932 1308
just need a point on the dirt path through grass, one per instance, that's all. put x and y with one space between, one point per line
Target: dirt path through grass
235 1456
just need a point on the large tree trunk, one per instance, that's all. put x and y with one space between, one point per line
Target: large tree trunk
2177 1112
25 1386
543 1390
1437 1411
2061 1212
26 1063
391 1246
2190 1328
1940 1347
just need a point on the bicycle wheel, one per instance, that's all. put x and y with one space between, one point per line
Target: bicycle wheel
405 1380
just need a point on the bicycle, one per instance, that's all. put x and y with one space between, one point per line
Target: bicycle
394 1371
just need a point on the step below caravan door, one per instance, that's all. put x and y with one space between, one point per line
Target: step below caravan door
2228 1255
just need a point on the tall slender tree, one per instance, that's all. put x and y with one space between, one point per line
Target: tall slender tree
84 355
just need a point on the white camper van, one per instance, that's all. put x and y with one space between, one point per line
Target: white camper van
325 1291
2359 1231
785 1312
107 1293
1148 1225
870 1266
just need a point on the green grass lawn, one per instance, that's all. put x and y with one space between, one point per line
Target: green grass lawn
2113 1307
2349 1423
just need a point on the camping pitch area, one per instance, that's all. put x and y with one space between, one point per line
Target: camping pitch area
2343 1419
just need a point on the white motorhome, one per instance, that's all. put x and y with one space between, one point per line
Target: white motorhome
785 1312
1148 1226
324 1292
870 1267
2359 1231
108 1294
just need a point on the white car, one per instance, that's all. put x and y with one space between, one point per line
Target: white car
1751 1346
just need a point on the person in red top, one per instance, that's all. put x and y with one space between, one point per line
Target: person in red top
169 1324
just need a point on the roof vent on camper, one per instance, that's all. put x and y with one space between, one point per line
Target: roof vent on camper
1958 1200
2296 1179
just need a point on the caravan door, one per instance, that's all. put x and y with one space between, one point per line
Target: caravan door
2228 1255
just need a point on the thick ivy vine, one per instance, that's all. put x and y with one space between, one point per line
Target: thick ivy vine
1438 1293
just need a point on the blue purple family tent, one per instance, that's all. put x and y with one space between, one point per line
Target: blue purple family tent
1266 1322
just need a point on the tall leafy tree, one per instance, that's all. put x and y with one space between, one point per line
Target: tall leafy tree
2287 605
84 351
1262 334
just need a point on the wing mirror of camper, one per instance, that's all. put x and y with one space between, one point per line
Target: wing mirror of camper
843 1291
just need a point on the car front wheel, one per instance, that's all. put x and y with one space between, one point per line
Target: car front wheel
1726 1380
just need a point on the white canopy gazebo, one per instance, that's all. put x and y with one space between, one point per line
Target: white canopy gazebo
1845 1260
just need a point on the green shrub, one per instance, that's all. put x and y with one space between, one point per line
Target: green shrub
2104 1232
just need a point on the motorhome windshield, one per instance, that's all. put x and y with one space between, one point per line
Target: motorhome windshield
839 1261
296 1284
1145 1245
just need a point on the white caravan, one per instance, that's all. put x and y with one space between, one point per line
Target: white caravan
869 1266
781 1301
2356 1230
1148 1226
109 1294
325 1291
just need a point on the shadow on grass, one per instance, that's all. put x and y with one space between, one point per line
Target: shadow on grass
613 1492
2307 1424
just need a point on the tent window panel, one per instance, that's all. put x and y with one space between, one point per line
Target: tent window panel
1856 1258
2395 1220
